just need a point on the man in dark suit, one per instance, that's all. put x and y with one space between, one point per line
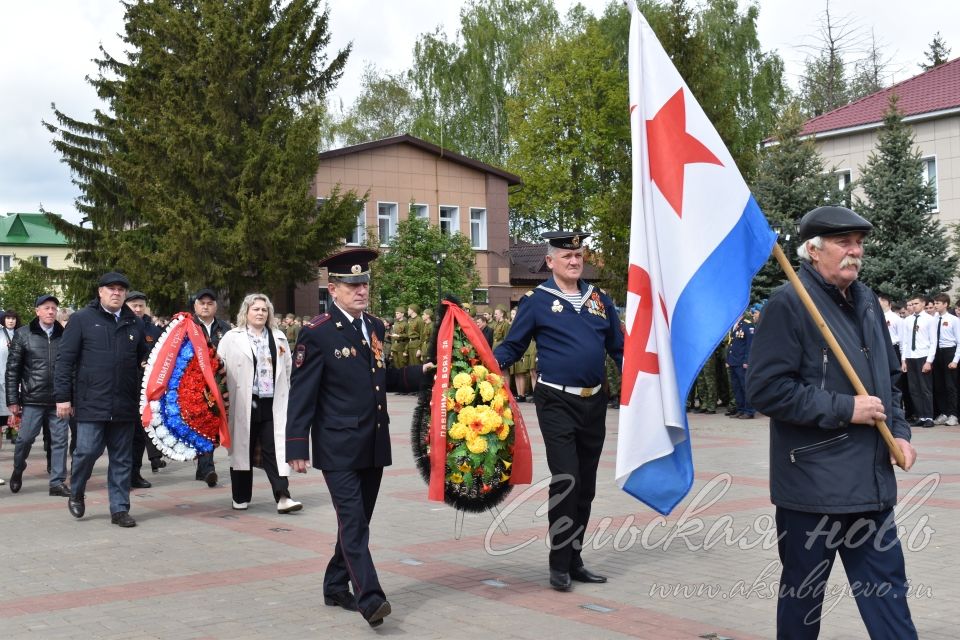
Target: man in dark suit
205 314
338 398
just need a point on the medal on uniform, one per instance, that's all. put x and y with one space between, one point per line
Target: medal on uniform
556 307
336 352
345 352
353 351
339 326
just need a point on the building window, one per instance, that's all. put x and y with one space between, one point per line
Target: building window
421 211
449 220
41 259
481 296
386 221
478 228
844 178
5 263
930 176
358 235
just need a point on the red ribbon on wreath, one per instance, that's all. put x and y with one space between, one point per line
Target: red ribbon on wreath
522 469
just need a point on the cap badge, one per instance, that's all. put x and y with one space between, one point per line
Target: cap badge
576 241
356 269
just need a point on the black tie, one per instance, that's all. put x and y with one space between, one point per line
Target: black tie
939 322
913 343
358 325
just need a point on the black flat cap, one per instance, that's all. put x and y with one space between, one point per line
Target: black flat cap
112 277
46 297
205 293
565 239
831 221
351 266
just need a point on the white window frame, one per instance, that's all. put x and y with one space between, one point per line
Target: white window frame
420 210
453 222
480 296
359 235
481 228
390 218
841 174
927 162
6 262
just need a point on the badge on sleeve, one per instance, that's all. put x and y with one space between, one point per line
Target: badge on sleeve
301 355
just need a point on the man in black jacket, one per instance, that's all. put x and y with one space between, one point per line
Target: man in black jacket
205 314
29 380
137 301
831 476
97 376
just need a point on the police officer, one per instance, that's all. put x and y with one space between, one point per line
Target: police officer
741 339
572 322
338 401
205 314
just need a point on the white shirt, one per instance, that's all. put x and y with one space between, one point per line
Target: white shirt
917 337
893 325
949 333
366 335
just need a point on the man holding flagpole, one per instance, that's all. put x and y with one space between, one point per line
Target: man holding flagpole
571 321
831 476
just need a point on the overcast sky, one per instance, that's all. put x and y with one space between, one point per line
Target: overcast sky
47 48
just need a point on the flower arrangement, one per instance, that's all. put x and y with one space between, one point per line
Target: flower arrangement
480 436
183 410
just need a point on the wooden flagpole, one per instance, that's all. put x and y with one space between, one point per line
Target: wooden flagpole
841 357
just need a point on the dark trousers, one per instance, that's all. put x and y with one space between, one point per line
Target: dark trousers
904 387
204 465
573 431
921 387
354 495
738 379
261 438
944 383
141 443
872 558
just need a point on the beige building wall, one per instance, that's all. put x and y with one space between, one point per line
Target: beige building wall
56 256
404 174
938 139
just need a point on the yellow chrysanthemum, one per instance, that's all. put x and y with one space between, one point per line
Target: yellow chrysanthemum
467 415
491 420
456 478
507 414
480 372
457 432
465 395
486 391
451 403
497 403
495 380
477 445
462 380
503 432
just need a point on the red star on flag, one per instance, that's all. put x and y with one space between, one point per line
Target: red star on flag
670 148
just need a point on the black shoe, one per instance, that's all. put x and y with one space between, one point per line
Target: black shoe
343 599
377 614
138 482
560 580
521 398
61 491
582 574
211 479
16 481
123 519
76 507
156 465
926 423
732 411
746 416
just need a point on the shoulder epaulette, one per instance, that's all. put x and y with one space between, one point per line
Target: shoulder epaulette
600 289
316 321
528 293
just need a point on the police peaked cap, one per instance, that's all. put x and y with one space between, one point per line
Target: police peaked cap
565 239
831 221
351 266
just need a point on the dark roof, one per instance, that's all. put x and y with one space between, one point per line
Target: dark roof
429 147
528 263
926 95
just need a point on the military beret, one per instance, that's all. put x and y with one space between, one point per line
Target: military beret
831 221
112 277
351 266
565 239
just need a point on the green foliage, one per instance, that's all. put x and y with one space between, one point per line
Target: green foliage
407 273
936 54
20 287
385 108
790 182
908 251
199 175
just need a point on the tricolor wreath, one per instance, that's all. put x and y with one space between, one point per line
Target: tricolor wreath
181 404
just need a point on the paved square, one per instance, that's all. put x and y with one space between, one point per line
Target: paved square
193 568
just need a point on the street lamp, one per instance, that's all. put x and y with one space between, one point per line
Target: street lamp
438 258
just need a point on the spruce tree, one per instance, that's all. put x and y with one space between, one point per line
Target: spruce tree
198 171
791 181
908 251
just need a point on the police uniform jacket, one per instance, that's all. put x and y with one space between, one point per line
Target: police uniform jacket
740 342
819 461
104 355
338 395
571 343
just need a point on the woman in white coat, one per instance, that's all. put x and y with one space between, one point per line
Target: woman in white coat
257 361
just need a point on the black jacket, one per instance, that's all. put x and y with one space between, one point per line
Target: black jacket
30 365
819 461
104 356
338 394
218 329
